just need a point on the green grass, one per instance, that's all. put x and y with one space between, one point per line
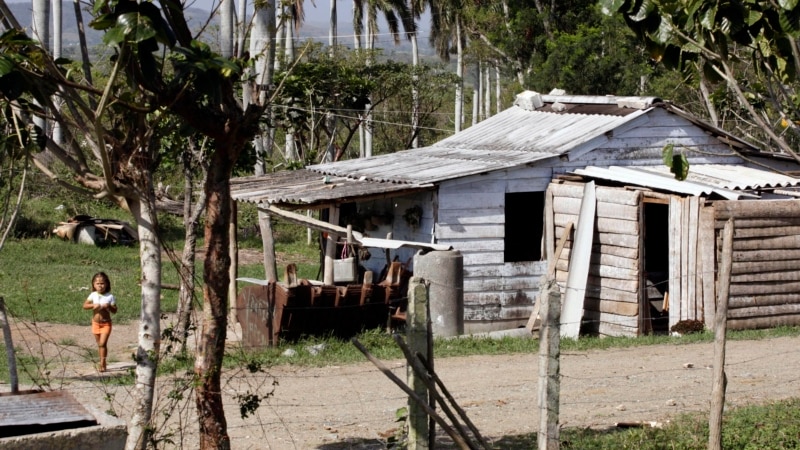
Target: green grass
773 426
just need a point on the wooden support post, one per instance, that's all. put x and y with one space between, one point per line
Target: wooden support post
12 359
549 369
720 327
420 431
268 242
330 247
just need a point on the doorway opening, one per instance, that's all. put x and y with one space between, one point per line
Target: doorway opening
656 265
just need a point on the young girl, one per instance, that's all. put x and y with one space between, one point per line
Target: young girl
102 304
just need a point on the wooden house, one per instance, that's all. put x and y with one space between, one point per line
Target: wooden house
501 192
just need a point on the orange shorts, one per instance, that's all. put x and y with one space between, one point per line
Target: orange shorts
101 328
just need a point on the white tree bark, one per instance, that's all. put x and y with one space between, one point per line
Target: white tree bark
226 28
149 325
476 95
414 93
459 108
58 135
40 28
487 92
333 31
263 51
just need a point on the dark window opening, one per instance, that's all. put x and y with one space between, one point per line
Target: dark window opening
524 226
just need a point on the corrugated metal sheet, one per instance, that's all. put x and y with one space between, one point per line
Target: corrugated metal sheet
311 188
729 182
518 136
49 410
512 138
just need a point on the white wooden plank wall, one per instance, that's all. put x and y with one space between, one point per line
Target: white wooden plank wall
611 302
765 276
471 218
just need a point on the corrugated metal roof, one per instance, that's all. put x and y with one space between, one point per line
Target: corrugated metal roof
729 182
511 138
311 188
536 128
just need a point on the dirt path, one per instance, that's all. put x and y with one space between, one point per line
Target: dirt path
354 406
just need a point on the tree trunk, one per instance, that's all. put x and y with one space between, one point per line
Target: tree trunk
459 109
40 27
333 31
143 210
414 93
211 348
226 28
191 216
58 135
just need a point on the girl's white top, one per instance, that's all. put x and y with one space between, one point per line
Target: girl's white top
102 299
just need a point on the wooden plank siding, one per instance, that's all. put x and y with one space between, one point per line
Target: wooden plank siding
765 276
612 295
471 218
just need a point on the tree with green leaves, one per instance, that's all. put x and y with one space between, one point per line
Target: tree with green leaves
743 54
158 69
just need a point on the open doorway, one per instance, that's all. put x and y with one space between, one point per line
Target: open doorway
656 265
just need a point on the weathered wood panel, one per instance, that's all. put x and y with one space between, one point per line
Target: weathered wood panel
765 255
572 206
506 270
611 307
516 298
756 209
598 316
498 313
471 231
472 216
776 243
602 271
477 201
604 259
765 277
500 284
614 283
707 254
611 329
785 287
602 225
675 272
611 294
764 310
755 323
765 232
751 267
471 258
762 300
760 223
475 245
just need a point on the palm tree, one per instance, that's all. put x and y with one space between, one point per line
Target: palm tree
446 33
395 13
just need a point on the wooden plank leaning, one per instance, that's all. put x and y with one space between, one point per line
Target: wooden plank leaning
533 321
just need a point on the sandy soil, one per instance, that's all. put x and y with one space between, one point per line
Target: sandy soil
354 406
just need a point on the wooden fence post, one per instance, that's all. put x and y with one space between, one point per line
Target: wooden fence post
420 429
12 359
720 328
549 369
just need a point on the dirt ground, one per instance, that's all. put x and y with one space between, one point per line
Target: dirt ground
354 406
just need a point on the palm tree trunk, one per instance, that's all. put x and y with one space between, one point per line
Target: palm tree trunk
226 28
40 26
414 93
459 108
497 100
476 94
58 33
